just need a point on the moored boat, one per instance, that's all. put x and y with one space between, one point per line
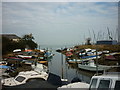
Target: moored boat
109 81
90 66
23 77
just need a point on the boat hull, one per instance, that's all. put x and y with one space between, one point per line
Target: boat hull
93 68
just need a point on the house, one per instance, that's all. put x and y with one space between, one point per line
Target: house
12 37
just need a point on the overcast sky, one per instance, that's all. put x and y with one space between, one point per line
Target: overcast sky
53 23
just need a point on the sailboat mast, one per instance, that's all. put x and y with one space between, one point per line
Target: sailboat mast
62 64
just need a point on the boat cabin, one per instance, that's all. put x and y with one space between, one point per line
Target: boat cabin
105 81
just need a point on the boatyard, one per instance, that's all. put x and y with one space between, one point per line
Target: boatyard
60 45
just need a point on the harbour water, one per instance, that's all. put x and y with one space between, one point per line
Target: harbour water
58 65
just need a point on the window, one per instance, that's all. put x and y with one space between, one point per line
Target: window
93 83
20 78
104 84
117 85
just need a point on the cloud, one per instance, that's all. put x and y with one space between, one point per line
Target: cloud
52 21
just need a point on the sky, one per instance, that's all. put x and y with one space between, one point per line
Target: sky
60 23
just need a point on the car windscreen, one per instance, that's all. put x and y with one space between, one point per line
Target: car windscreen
117 85
20 78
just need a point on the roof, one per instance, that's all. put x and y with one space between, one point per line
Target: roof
11 36
109 75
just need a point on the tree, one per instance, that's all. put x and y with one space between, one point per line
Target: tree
28 37
9 45
28 41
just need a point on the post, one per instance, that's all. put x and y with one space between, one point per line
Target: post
96 60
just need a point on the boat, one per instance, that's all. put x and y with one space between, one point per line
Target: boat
23 77
53 81
109 81
3 69
28 62
3 63
14 58
90 66
73 61
48 54
43 61
90 57
39 67
25 57
74 85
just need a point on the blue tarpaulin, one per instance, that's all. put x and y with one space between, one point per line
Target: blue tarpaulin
4 67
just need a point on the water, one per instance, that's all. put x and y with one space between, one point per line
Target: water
65 70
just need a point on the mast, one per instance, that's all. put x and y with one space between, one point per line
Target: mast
94 39
62 64
109 36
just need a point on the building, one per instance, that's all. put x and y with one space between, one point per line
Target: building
106 42
12 37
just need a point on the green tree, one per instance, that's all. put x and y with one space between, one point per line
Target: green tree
28 37
28 41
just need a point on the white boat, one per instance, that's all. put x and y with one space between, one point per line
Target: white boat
109 81
74 85
23 56
90 66
17 50
3 63
48 54
23 77
39 67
